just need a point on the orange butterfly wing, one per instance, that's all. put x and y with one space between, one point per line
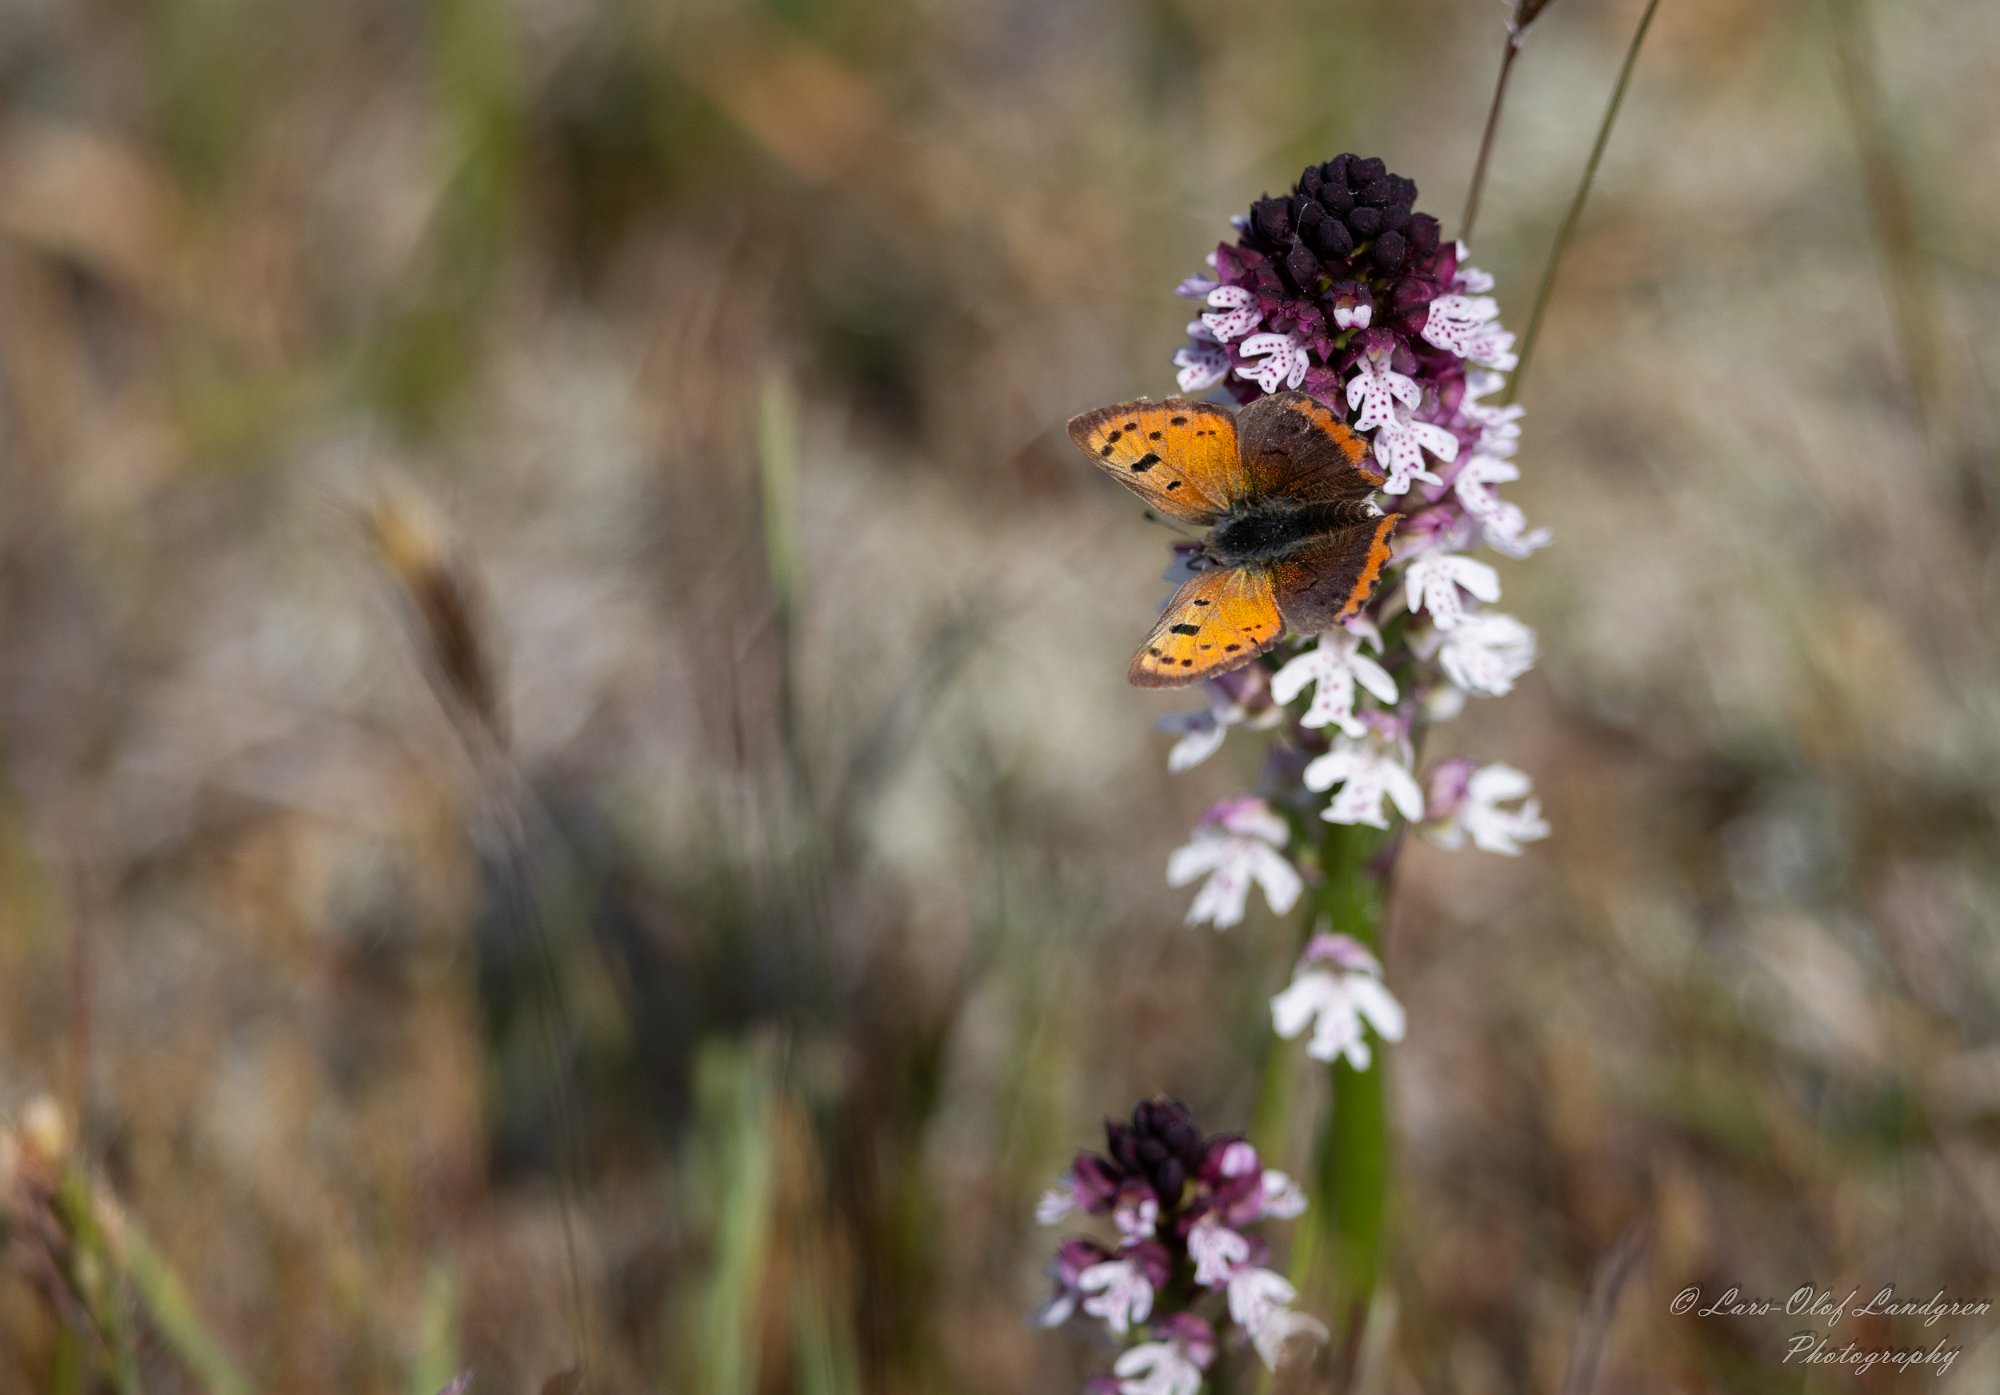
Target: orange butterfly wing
1295 448
1330 578
1219 620
1179 456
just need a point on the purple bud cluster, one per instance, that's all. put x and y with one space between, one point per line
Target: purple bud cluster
1184 1269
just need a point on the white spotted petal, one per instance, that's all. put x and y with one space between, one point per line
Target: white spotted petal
1261 1301
1233 313
1337 670
1375 390
1118 1291
1234 851
1454 320
1484 654
1202 361
1432 582
1282 361
1157 1368
1370 776
1216 1249
1400 445
1489 815
1337 991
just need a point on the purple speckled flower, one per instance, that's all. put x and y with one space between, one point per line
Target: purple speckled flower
1174 1291
1344 289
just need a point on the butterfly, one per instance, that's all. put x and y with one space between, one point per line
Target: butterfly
1294 545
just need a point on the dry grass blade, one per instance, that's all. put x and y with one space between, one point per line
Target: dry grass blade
1601 1308
1575 211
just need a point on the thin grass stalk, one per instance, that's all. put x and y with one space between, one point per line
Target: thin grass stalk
1568 228
1472 196
444 604
164 1299
521 890
97 1275
1908 281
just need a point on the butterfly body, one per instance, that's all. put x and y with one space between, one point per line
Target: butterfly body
1294 544
1266 531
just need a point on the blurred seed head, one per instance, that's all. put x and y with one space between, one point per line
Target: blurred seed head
1526 12
441 597
46 1136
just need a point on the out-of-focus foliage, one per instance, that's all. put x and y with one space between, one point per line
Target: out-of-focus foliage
738 666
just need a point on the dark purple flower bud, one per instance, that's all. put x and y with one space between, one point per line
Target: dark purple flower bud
1094 1182
1361 173
1379 193
1302 266
1336 198
1365 222
1389 251
1411 293
1424 235
1185 1140
1234 1176
1310 181
1404 359
1072 1258
1335 170
1331 239
1228 1156
1122 1145
1405 190
1444 262
1272 218
1396 217
1151 1117
1153 1258
1323 383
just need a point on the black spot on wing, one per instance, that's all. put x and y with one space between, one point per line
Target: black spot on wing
1145 463
1187 629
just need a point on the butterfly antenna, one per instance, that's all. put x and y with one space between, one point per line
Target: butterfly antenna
1175 524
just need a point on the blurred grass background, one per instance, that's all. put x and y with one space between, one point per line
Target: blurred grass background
718 353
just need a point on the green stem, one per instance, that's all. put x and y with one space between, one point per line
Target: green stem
1352 1162
1337 1252
1568 227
